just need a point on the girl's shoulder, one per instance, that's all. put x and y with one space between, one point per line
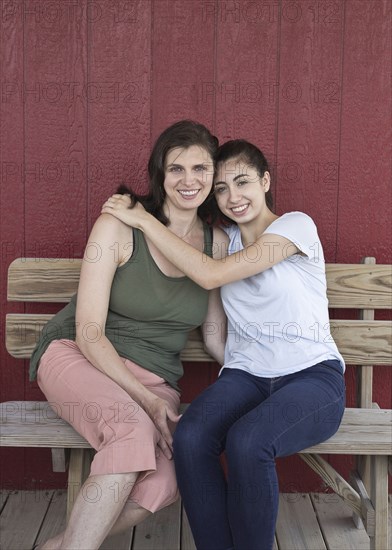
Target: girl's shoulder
294 217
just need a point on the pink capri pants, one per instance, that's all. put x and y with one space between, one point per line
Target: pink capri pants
121 432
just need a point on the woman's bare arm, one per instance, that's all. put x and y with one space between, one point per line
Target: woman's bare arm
91 312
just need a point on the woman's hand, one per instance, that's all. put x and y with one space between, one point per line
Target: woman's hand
162 414
120 206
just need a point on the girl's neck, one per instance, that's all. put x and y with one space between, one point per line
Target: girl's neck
251 231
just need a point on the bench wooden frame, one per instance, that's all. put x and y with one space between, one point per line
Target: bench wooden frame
366 431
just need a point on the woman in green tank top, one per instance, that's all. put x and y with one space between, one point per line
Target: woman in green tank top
122 335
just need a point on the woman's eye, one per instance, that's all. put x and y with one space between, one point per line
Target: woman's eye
219 190
175 169
239 183
200 168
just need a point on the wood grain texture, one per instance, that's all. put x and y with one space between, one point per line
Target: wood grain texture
244 89
160 530
56 280
43 280
22 534
334 480
308 125
12 219
119 100
183 63
297 527
364 208
335 521
33 424
360 342
55 518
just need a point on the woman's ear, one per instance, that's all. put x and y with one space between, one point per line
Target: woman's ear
266 181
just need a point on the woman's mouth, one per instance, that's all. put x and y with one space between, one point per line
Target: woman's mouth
189 194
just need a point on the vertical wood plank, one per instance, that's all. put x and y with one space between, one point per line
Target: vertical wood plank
12 225
309 112
337 525
160 531
55 518
297 527
182 62
364 193
55 129
30 505
118 99
245 86
55 72
365 200
379 498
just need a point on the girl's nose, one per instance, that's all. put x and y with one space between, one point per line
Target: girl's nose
234 195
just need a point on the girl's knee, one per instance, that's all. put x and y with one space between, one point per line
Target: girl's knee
243 445
185 434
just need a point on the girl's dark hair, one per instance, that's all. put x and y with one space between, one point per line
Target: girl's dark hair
184 133
249 154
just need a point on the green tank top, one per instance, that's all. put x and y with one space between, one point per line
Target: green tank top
149 317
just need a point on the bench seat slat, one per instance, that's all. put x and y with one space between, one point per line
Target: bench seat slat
34 424
360 342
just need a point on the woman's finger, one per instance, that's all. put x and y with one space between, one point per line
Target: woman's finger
165 448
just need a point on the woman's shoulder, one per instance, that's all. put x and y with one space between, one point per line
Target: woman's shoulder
110 233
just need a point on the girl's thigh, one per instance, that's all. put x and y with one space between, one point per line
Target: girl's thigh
221 405
304 409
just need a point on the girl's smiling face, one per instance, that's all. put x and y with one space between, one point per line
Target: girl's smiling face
240 191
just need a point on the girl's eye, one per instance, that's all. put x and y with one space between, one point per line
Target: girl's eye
200 168
243 182
175 169
220 190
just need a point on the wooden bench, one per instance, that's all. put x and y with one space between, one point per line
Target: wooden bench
366 431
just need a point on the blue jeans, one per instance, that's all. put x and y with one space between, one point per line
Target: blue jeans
253 420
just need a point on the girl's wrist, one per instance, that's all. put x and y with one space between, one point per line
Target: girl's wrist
145 222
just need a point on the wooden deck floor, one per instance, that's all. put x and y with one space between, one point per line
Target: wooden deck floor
308 522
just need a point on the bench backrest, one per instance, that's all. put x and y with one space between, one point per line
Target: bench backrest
362 287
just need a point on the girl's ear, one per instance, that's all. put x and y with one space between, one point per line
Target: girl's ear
266 181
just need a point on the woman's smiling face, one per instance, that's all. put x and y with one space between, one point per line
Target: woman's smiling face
240 191
188 177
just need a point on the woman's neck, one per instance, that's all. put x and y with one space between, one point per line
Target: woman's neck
182 222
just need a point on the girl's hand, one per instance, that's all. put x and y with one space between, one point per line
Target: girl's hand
120 206
162 415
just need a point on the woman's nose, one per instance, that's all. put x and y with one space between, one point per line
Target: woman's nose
189 178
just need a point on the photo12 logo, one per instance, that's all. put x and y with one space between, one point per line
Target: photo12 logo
51 12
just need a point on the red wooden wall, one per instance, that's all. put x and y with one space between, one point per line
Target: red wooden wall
86 86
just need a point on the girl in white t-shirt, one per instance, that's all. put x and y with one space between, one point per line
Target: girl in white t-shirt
281 387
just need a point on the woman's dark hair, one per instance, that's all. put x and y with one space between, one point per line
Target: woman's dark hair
184 133
249 154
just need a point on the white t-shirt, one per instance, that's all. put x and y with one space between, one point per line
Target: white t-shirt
278 320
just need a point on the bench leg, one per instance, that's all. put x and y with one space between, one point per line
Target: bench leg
379 497
79 467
